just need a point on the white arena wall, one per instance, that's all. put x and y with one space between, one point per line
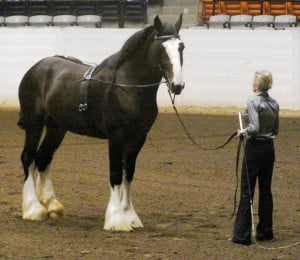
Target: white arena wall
218 64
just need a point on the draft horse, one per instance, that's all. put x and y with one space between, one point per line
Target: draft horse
115 100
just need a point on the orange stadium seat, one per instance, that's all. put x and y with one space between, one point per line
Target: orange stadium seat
254 7
230 7
293 8
207 8
275 8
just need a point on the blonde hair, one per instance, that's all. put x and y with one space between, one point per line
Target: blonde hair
263 80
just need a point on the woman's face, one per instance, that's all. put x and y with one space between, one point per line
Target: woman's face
254 87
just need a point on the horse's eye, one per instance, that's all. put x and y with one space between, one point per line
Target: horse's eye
181 47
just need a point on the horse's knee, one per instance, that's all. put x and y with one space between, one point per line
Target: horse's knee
42 162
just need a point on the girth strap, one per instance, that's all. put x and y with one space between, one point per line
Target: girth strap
83 107
83 89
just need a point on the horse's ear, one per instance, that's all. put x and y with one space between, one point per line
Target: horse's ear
157 24
178 23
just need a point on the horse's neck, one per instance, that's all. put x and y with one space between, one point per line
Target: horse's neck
138 68
144 67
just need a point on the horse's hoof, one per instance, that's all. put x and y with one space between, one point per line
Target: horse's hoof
117 223
124 228
136 224
55 209
133 219
34 211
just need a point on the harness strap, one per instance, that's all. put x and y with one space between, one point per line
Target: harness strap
83 107
83 89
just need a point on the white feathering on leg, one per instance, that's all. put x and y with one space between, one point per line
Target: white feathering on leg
127 206
115 219
46 194
32 208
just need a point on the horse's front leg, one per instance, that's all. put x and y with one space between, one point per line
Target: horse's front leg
115 219
130 154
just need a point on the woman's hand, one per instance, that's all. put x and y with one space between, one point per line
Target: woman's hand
241 132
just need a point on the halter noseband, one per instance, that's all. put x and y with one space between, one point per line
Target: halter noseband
166 37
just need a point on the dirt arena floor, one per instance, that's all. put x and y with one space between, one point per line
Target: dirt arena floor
183 195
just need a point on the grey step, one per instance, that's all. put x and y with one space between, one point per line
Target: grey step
106 24
188 20
154 10
133 25
179 9
180 2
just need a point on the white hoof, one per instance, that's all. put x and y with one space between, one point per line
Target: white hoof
133 218
55 209
117 222
34 211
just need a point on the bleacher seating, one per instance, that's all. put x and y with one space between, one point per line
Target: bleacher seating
111 12
293 8
40 20
218 21
135 11
253 7
263 21
2 13
274 8
241 21
231 7
285 21
73 12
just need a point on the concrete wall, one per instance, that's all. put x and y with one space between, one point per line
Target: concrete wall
218 64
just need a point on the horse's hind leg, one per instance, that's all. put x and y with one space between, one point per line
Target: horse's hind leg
31 207
44 185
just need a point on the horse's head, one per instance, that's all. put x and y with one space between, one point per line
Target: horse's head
170 53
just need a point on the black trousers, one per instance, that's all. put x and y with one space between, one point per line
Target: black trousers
258 162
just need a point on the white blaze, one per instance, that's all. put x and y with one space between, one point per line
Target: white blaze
171 46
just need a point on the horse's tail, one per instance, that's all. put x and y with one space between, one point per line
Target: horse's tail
21 122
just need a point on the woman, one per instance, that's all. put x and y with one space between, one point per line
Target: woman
262 127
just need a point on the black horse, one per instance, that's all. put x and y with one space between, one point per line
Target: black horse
114 100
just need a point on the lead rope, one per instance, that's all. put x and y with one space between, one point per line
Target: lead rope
190 136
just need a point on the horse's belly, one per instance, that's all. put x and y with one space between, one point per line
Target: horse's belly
78 124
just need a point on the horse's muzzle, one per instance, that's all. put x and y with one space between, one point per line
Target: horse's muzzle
176 89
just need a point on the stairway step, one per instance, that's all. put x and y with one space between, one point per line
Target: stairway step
188 20
179 10
179 2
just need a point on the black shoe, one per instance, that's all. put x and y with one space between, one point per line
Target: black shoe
261 237
242 242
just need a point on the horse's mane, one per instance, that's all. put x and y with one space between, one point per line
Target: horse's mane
133 43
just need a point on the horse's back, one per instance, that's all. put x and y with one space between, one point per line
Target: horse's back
48 82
